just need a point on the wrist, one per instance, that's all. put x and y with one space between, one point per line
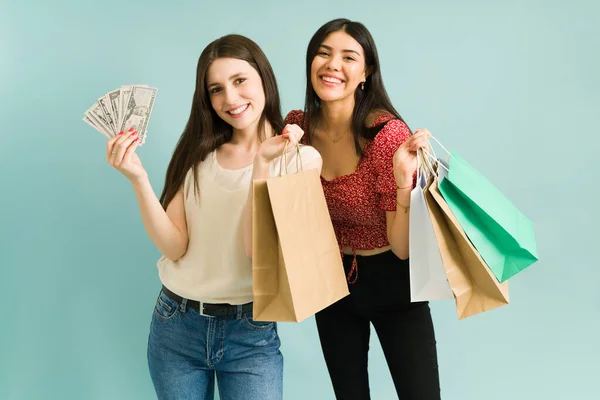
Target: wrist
402 178
404 183
140 182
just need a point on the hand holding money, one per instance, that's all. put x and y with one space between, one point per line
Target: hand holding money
120 153
121 109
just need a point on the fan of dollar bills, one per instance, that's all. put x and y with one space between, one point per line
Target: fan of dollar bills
121 109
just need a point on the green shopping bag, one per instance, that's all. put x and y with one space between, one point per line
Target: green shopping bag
502 235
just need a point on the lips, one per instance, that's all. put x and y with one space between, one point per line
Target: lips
238 110
331 79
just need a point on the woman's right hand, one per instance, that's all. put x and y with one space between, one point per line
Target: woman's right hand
120 153
273 147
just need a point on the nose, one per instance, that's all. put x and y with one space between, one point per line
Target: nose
334 63
231 96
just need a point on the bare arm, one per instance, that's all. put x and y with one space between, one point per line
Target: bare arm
405 165
397 224
167 229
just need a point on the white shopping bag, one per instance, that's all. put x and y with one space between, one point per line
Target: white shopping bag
427 274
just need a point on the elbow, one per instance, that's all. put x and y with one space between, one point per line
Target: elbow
402 254
399 249
173 256
177 253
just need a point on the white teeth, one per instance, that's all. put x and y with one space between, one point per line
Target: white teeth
238 110
330 79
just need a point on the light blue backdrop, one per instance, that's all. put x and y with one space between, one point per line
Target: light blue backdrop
513 87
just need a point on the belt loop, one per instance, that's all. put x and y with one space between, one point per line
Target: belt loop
239 311
183 304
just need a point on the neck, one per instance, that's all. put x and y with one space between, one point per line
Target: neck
336 116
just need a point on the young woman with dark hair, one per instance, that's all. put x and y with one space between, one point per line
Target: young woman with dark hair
369 161
202 323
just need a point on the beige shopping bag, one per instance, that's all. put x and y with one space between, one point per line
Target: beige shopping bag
475 288
297 268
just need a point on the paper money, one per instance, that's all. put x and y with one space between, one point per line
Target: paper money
104 106
96 116
137 110
121 109
112 99
91 123
124 93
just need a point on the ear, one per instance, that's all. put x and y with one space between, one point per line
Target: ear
368 72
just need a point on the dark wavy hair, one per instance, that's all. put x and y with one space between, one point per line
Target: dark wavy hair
205 130
373 98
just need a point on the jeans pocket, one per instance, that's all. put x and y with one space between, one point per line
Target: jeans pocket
257 325
165 307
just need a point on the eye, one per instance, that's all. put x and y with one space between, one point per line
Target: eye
214 90
322 53
349 58
239 81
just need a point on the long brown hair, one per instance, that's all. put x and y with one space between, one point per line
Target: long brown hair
205 130
373 98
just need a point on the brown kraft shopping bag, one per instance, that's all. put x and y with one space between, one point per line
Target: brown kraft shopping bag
475 288
297 269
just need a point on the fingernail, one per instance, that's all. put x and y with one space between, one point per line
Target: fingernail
134 134
120 133
131 129
136 139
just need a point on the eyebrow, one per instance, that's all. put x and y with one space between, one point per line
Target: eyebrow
232 77
343 51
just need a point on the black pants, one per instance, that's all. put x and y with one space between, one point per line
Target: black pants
381 296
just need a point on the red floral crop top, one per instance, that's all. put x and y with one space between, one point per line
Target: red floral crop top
358 201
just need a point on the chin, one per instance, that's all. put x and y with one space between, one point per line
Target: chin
329 97
327 94
242 125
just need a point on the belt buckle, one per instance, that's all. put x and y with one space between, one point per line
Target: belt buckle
202 310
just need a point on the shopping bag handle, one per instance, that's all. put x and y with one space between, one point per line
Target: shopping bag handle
423 167
427 166
434 157
283 158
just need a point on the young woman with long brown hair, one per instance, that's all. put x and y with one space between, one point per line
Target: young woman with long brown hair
202 323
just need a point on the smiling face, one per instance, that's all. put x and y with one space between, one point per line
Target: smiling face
338 67
236 92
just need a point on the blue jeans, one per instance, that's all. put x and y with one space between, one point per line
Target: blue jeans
186 350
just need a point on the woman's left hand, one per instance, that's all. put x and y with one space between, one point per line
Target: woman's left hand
273 147
405 158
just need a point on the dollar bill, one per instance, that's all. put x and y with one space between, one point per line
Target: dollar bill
138 109
104 106
95 114
124 94
112 98
91 123
129 106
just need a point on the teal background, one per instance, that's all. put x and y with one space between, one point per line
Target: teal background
512 87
